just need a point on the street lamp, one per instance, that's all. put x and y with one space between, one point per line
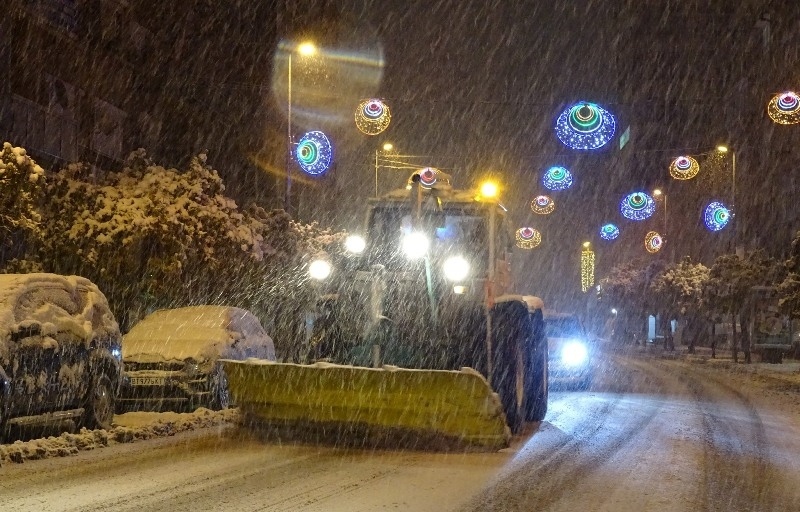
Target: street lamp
387 147
305 49
724 149
658 193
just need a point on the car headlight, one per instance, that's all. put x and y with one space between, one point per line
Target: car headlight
116 353
319 270
574 353
456 268
415 245
355 244
191 368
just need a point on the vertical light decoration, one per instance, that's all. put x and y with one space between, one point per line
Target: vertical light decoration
528 238
587 267
609 232
784 108
373 116
653 242
585 126
557 178
637 206
314 153
543 205
684 168
716 216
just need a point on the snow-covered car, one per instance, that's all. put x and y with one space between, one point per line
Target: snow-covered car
569 349
60 352
171 356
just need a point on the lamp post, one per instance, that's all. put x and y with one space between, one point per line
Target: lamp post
305 49
724 149
387 146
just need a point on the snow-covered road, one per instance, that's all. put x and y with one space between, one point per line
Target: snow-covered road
652 435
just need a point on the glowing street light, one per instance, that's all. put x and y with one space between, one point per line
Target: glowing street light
723 149
305 49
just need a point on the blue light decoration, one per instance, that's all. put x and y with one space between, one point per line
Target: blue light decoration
543 205
314 153
609 232
585 126
528 238
557 178
637 206
784 108
716 216
373 116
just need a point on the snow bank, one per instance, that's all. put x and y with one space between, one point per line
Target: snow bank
137 430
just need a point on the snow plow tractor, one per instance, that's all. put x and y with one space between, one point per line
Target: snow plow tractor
419 330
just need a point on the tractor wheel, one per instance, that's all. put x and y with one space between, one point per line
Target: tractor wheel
508 376
536 391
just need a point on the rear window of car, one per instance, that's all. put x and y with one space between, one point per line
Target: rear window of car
565 327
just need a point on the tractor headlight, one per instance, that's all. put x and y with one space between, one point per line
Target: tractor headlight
574 353
415 245
319 270
456 268
355 244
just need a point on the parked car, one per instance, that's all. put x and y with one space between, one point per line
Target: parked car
60 352
570 351
171 356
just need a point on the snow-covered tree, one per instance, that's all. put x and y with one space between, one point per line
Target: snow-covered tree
678 294
789 288
21 184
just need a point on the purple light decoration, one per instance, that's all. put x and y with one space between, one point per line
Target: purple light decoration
557 178
609 232
637 206
543 205
684 168
528 238
373 116
784 108
653 242
585 126
428 177
314 153
716 216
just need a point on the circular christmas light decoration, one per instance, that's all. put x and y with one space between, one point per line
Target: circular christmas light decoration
609 232
373 116
585 126
543 205
314 153
428 177
637 206
684 168
528 238
653 242
716 216
784 108
557 178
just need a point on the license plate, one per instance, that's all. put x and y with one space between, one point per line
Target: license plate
148 381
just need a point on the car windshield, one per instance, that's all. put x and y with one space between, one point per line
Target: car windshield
450 232
564 327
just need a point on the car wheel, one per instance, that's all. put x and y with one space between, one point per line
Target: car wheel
219 397
99 411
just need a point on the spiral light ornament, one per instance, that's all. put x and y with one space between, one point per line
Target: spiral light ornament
609 232
373 116
653 242
684 168
716 216
637 206
543 205
428 177
528 238
557 178
784 108
585 126
314 153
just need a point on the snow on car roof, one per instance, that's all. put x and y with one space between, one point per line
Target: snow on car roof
48 311
196 332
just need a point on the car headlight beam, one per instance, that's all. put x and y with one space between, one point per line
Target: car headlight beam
415 245
574 353
355 244
456 268
319 270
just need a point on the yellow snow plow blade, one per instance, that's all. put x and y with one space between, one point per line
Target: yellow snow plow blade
454 405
